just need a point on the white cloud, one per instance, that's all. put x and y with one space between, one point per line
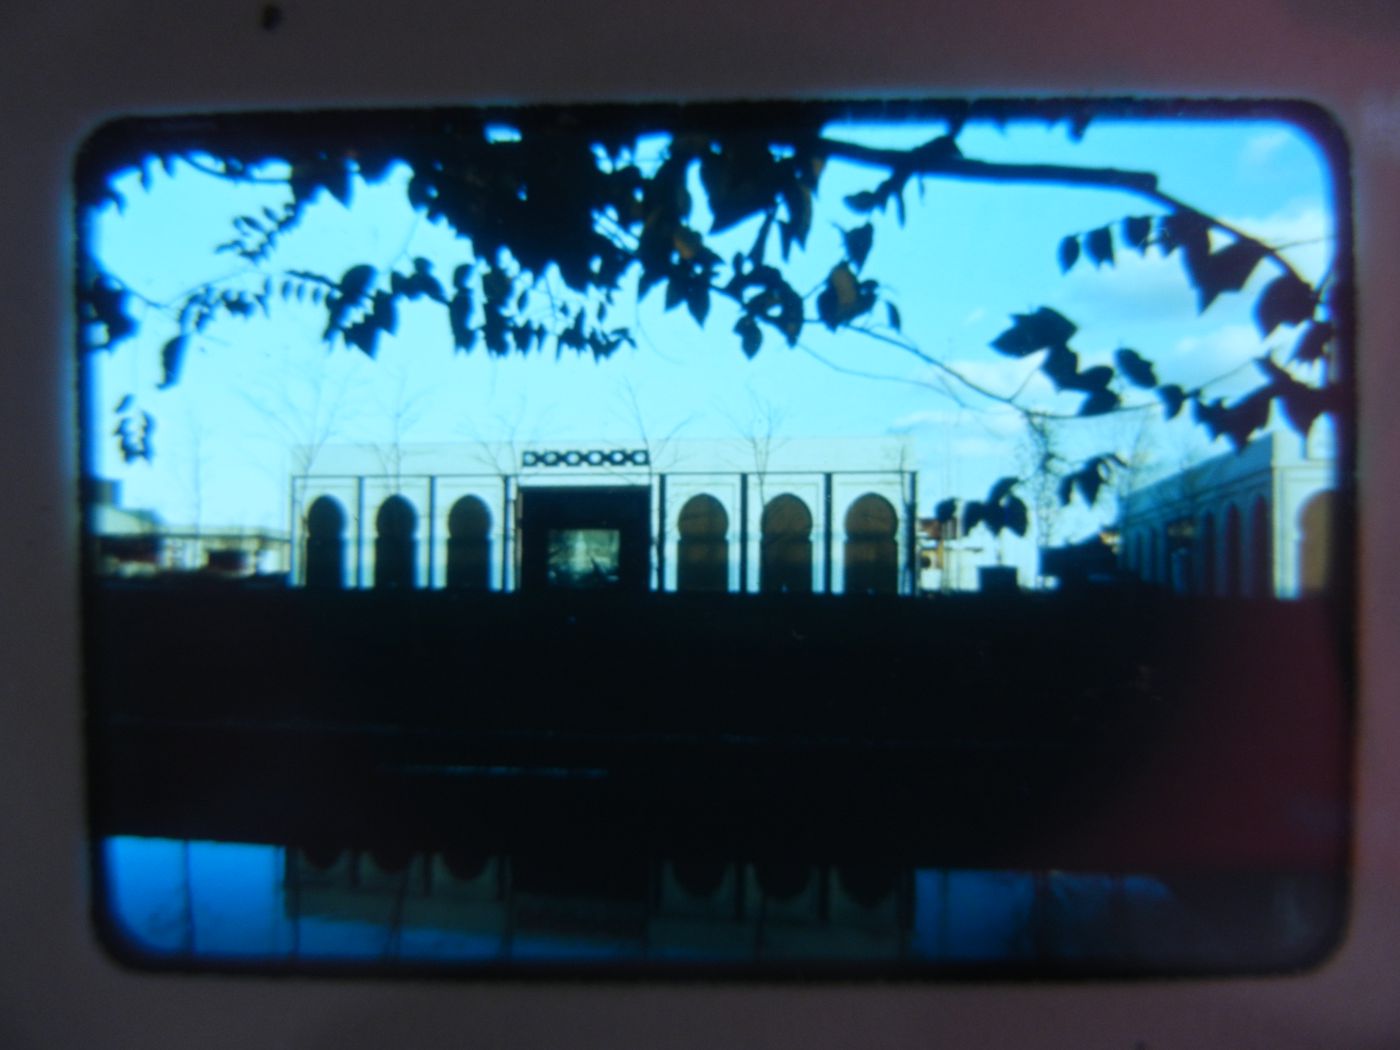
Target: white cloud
1152 289
1303 232
1002 376
1137 289
994 421
1225 354
1260 150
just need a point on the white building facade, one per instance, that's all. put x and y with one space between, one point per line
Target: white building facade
1257 523
740 516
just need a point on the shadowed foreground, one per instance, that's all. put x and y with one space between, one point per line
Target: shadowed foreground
1109 732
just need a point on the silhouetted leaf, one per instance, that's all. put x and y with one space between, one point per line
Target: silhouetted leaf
104 303
1031 332
798 198
750 335
1186 230
1069 253
946 510
1173 397
123 404
697 299
1061 367
893 313
1137 232
1242 419
1302 405
172 356
337 182
459 312
1001 489
1313 344
1226 270
1099 245
787 237
973 514
1089 482
741 179
419 283
133 434
675 293
844 298
1017 519
858 243
1135 368
1287 300
864 201
1066 489
778 303
1099 403
356 282
1093 381
495 286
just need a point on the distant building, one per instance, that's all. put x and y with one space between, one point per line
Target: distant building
1083 564
1255 523
740 515
132 542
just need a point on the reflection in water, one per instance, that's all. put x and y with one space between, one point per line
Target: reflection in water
214 902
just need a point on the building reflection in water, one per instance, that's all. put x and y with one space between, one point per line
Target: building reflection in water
180 902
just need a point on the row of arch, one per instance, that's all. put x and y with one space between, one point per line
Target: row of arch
396 542
871 553
1229 556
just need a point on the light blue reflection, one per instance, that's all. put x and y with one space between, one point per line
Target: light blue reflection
257 903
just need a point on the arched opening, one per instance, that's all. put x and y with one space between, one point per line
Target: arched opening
785 563
868 883
872 556
700 877
1180 537
394 544
1206 569
469 544
783 880
702 552
1315 544
1261 551
325 545
1233 555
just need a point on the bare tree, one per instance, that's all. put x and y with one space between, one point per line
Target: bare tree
307 399
656 450
196 468
761 431
400 408
1043 465
500 455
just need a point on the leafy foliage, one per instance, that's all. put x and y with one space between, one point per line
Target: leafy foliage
565 200
1287 301
1002 509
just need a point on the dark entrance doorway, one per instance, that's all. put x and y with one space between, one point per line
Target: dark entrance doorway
585 538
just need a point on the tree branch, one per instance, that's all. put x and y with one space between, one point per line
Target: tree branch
927 160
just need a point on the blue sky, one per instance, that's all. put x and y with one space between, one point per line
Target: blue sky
968 257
